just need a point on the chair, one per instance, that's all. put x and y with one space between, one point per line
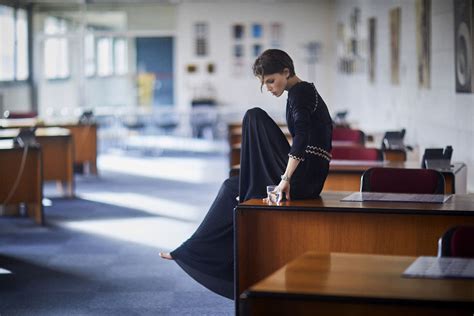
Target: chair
400 180
356 153
457 241
348 135
19 115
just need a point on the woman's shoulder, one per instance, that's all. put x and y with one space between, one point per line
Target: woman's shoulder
302 87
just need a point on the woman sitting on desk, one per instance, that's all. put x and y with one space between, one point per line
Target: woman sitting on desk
266 158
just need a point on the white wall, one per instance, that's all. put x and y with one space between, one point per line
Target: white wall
433 117
302 22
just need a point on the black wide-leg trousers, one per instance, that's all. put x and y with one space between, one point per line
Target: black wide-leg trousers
208 255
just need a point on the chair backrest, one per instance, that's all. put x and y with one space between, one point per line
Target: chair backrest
356 153
400 180
348 134
457 241
19 115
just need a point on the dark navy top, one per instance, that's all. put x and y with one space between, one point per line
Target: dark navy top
309 122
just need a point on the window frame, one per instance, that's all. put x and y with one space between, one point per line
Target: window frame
28 79
60 37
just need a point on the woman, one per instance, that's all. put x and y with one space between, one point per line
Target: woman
266 158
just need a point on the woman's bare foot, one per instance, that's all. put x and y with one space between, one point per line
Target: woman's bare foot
166 255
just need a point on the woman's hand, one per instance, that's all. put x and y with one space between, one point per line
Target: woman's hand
284 187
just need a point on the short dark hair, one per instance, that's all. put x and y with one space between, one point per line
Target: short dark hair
273 61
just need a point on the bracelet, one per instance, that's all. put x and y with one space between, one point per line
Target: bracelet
285 177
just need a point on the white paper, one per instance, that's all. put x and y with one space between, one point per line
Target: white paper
441 267
395 197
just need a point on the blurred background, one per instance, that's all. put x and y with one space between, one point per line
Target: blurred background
161 87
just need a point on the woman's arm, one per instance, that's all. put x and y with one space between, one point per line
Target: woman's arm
284 185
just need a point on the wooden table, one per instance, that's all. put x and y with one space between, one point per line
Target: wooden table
84 138
85 145
355 284
269 236
58 155
345 175
30 184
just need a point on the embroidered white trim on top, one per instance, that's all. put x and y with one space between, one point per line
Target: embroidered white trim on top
317 151
320 150
317 98
297 158
318 154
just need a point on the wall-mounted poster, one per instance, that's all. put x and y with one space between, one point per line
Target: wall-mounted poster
257 30
211 68
256 50
201 30
354 23
238 51
239 30
395 16
423 42
464 45
351 44
191 68
372 48
276 34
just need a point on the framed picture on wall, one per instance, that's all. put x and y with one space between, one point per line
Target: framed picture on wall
464 45
201 30
423 42
276 34
238 51
257 30
238 31
395 17
256 50
372 48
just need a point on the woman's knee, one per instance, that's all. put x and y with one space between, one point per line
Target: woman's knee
231 184
254 114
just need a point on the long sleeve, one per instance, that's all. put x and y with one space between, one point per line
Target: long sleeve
301 108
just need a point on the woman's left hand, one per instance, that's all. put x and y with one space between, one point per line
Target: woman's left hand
284 187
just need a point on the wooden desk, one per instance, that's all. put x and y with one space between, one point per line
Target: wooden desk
345 175
267 237
85 144
355 284
84 138
30 185
58 155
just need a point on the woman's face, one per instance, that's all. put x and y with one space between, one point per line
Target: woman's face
275 83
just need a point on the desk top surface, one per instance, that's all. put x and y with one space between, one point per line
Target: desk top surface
40 132
458 204
361 277
29 122
7 145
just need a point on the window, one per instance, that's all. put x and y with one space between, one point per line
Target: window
14 44
89 52
104 57
56 50
120 56
21 71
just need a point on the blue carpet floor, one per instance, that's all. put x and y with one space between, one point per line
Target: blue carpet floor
98 253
